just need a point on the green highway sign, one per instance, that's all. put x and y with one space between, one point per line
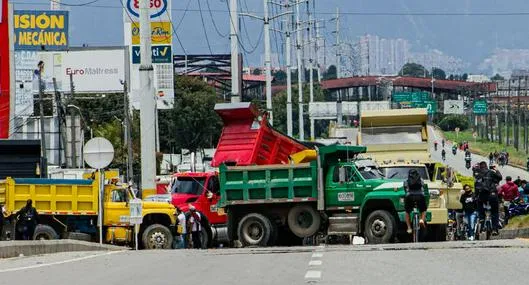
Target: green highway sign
399 97
480 107
430 105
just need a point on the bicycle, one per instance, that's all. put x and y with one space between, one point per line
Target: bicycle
415 223
487 223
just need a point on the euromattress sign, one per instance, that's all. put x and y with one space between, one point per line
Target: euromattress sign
37 30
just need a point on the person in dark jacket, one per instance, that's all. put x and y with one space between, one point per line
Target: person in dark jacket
414 187
469 203
486 181
27 219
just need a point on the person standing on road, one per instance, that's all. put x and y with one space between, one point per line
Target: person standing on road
486 181
181 229
468 201
27 219
195 227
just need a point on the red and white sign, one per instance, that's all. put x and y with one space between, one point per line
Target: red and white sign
158 10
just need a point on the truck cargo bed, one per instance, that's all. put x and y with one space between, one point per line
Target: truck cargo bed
51 196
268 184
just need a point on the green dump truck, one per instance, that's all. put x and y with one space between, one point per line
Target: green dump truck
336 194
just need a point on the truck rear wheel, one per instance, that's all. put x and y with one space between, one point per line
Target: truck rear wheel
157 236
254 230
380 227
44 232
304 220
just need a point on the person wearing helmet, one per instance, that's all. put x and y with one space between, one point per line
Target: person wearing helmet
486 181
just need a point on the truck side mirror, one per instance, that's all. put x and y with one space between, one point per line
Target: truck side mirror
341 174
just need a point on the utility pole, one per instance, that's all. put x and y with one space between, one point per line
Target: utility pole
289 71
311 67
268 63
128 130
517 126
300 72
44 168
235 72
317 47
339 113
72 127
147 103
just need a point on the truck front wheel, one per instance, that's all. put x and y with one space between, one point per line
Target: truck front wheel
157 236
380 227
254 230
44 232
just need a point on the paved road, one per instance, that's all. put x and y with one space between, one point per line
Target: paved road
484 262
458 161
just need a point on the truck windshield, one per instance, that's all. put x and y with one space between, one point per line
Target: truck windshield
370 173
189 185
401 172
392 135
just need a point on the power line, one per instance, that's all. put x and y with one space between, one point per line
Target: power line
214 23
74 5
183 15
380 13
204 27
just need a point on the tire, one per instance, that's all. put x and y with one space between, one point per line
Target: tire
205 238
207 234
439 232
79 236
254 230
303 220
44 232
274 232
380 227
157 236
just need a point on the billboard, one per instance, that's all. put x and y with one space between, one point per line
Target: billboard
93 70
454 107
160 54
26 82
161 33
41 30
5 71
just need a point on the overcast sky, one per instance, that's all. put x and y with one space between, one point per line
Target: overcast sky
466 35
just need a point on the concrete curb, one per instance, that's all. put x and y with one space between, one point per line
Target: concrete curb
37 247
513 234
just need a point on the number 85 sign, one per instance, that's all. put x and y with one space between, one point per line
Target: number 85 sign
157 9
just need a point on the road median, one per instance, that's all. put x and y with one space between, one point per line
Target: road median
38 247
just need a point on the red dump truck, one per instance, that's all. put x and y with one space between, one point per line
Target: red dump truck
247 139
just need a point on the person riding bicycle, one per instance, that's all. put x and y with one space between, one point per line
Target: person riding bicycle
468 201
414 187
486 181
467 155
435 145
443 154
443 142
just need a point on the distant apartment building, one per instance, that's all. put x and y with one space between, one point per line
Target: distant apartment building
506 62
437 59
373 55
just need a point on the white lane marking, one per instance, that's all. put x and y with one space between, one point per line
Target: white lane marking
315 263
313 274
59 262
317 255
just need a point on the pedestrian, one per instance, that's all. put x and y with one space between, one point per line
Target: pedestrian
527 164
181 229
491 158
506 157
497 156
525 190
509 191
27 219
195 227
469 203
2 214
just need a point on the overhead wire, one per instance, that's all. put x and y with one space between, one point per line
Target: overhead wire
204 27
214 23
252 48
75 5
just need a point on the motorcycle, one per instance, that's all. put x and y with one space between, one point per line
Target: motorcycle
454 150
467 163
435 146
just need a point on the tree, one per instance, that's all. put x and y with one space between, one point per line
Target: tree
438 73
280 77
257 71
414 70
450 122
192 123
330 73
464 77
497 77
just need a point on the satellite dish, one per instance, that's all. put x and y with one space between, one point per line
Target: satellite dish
98 153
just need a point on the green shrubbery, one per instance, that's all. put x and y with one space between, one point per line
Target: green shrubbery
450 122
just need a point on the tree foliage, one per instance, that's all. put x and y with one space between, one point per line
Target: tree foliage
497 77
414 70
257 71
438 73
192 123
330 73
280 77
450 122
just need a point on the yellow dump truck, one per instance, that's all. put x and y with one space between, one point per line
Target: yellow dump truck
398 141
68 208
